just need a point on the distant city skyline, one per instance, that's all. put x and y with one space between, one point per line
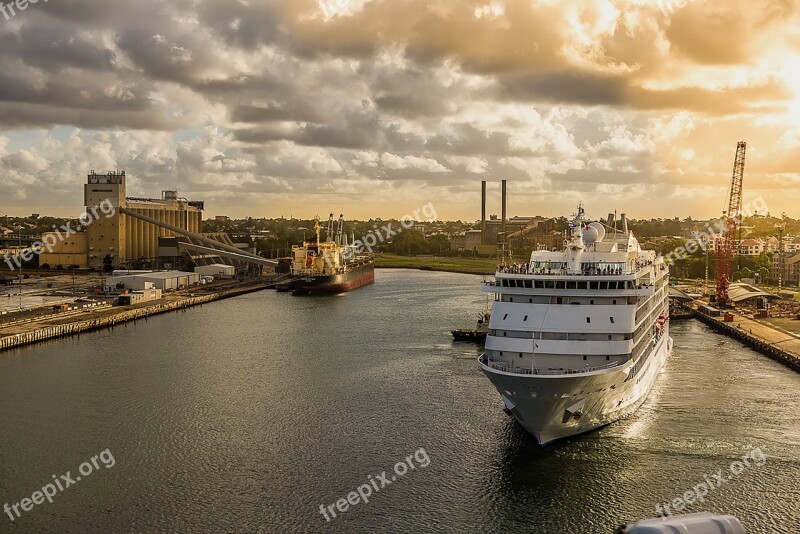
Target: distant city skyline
373 108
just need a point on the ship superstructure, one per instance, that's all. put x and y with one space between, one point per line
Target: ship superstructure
578 336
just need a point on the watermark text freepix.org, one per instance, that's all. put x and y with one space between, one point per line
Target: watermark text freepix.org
11 8
50 240
377 483
58 484
706 238
386 233
712 482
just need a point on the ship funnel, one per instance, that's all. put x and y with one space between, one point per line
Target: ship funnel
483 212
610 220
504 210
624 220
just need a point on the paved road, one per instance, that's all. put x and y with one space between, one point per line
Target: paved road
780 338
31 298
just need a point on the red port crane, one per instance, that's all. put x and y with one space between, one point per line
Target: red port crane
725 244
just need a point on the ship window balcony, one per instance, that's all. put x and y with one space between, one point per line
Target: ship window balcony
539 284
603 285
559 300
583 285
560 284
594 285
549 284
572 285
528 284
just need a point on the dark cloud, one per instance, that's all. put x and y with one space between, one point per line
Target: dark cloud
565 87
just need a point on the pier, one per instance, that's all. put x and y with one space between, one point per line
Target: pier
779 344
783 347
40 332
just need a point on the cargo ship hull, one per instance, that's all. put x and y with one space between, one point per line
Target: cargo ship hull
357 276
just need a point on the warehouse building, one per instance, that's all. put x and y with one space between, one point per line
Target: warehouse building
163 280
139 297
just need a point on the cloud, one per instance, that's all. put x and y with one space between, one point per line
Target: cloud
259 106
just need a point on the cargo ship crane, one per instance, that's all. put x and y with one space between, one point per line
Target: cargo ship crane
725 244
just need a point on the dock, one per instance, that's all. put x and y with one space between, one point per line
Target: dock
781 346
28 333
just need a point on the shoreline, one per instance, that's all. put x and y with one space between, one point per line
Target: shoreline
481 267
453 270
52 332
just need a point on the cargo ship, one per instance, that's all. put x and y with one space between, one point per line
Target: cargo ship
331 266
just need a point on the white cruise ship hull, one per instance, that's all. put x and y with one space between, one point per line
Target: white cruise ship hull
554 407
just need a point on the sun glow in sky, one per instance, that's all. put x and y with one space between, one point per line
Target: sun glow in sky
373 108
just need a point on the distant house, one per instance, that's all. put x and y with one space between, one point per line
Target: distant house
772 244
751 247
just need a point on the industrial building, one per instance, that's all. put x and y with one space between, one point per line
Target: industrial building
139 297
71 252
516 233
120 238
163 280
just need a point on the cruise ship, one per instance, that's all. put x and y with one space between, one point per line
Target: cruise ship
578 337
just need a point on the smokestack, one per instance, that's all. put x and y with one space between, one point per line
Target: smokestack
624 220
483 212
505 213
610 220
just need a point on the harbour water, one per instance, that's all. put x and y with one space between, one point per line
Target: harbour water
248 414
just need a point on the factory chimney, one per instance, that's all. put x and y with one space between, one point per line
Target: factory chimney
483 212
505 212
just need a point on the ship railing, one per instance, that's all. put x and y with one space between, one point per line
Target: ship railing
566 272
550 372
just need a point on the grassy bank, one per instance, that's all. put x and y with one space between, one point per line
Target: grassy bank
437 263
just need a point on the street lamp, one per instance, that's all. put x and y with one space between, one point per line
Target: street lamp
19 251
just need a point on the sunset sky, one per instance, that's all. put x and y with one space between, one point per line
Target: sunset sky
376 107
